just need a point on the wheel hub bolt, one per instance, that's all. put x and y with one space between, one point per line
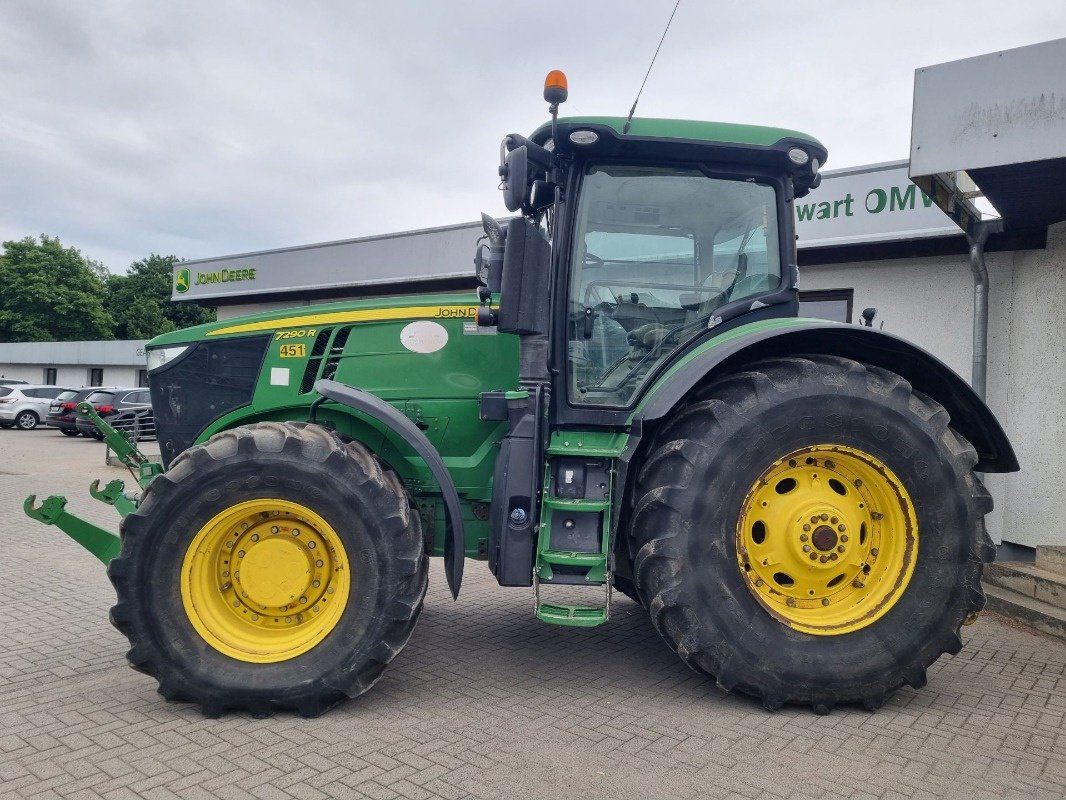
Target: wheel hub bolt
806 528
759 582
791 602
840 548
806 548
823 559
877 515
823 517
814 519
814 556
833 556
873 551
858 584
803 537
843 538
825 601
834 520
273 528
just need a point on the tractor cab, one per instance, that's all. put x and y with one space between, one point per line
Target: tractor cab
640 238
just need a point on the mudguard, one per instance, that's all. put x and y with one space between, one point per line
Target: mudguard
366 403
925 372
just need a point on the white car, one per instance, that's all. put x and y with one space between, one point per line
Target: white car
24 405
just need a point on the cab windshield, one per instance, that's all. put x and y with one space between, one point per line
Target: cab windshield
656 251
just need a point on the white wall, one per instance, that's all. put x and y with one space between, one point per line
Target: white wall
930 302
70 375
1034 500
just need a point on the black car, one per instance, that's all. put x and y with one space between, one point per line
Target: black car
110 401
62 414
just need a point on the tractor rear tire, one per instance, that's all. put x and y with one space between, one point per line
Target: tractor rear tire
288 503
758 472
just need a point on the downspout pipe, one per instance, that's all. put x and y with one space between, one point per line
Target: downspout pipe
977 239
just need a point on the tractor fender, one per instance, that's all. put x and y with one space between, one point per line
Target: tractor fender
387 415
970 417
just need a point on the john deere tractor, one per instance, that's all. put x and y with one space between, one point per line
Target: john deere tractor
629 401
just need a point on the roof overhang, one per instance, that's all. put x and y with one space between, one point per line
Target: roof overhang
994 125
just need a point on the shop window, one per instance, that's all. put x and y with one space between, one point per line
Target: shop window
96 376
50 376
142 378
832 304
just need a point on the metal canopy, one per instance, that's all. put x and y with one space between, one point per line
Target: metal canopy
998 120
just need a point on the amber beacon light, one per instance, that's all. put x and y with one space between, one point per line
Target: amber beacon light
555 87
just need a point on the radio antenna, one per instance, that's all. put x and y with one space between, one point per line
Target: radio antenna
632 111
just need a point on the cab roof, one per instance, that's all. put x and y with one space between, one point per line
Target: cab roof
691 140
686 130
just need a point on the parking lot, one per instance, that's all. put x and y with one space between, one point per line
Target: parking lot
484 702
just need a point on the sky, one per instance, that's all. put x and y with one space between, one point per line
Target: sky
208 128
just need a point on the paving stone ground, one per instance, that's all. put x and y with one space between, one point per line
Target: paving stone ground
484 702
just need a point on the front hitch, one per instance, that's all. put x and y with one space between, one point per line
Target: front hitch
100 543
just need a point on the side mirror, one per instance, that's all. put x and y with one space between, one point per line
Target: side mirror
868 315
515 172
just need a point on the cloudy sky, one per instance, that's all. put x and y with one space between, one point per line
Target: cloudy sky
207 128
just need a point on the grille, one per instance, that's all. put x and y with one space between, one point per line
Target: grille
213 378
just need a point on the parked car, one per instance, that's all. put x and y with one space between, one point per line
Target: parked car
10 381
23 406
62 414
110 401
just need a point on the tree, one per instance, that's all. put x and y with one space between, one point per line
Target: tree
50 293
140 303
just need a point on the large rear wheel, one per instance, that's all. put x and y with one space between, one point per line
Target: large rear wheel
810 531
272 568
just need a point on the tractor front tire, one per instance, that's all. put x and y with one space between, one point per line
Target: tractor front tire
273 568
810 531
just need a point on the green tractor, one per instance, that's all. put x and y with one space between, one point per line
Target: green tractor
628 402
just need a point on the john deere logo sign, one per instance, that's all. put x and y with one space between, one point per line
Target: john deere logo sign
183 279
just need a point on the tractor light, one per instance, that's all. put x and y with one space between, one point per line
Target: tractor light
798 156
160 356
584 137
555 88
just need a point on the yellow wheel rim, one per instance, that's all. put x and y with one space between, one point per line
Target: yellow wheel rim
827 539
265 580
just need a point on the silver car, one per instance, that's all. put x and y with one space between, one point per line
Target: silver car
24 405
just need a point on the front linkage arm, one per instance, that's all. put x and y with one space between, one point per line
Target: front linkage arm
102 544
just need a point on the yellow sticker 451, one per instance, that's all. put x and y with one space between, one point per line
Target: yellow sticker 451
292 350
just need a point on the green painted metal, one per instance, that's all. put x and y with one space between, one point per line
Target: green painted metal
122 447
595 444
688 130
729 336
569 616
114 494
591 444
102 544
439 391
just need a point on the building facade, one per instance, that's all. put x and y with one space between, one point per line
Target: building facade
76 364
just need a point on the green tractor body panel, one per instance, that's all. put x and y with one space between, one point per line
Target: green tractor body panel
421 353
689 130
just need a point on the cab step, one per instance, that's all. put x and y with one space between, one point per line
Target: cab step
572 616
